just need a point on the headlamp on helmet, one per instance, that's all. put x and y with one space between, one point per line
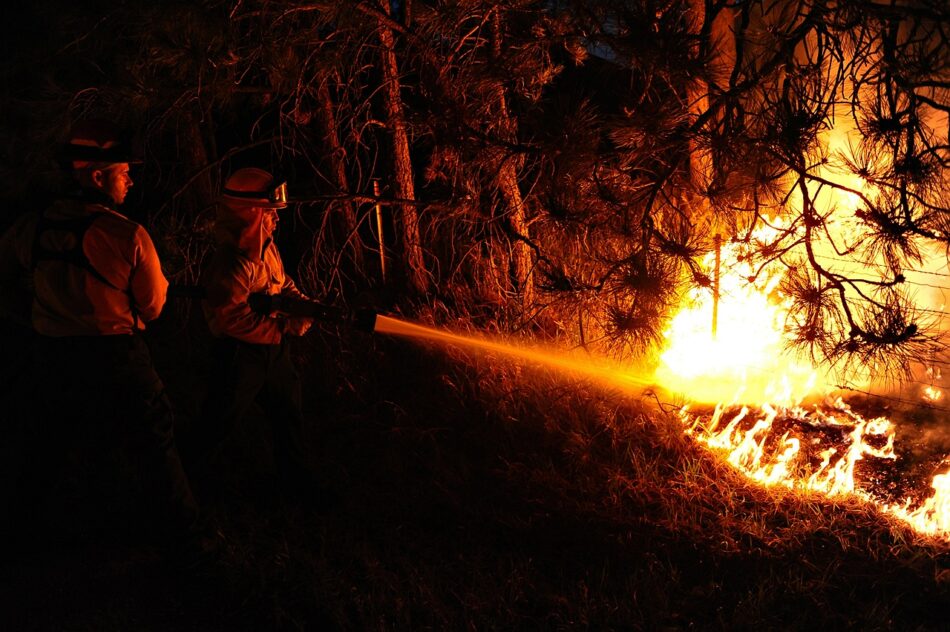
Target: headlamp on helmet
276 195
255 187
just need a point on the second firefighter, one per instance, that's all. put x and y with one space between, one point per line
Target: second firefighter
251 358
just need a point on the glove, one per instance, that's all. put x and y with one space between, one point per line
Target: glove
297 326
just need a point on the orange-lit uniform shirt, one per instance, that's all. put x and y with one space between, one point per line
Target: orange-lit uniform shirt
68 299
246 262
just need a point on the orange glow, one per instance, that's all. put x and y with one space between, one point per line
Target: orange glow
766 443
604 371
750 442
778 442
765 431
746 360
932 394
933 515
756 451
815 449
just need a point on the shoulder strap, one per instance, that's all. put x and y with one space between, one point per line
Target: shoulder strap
74 254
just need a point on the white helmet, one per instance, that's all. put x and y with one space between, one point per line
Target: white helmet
252 187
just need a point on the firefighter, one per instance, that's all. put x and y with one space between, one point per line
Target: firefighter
87 279
252 361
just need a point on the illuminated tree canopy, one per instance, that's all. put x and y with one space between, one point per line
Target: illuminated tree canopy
562 165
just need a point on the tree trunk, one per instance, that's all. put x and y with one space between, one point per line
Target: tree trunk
345 223
195 158
719 40
523 269
403 186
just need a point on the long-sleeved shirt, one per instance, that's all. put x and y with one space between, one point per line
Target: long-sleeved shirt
246 262
109 284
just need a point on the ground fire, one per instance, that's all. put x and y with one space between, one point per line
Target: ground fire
814 447
760 423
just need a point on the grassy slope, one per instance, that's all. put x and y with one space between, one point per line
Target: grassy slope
483 495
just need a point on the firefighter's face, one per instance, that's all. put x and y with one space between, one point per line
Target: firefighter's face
269 221
114 181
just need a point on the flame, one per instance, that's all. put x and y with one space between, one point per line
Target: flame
779 441
765 430
756 452
748 348
932 517
931 392
750 442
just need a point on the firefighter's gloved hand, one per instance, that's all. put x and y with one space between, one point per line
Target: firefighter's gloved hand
297 326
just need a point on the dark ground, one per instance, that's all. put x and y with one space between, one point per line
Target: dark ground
477 495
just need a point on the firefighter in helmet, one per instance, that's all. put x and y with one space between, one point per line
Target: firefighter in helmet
87 279
252 361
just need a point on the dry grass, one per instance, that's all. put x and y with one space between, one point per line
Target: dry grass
485 495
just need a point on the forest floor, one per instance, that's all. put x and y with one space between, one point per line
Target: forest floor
479 494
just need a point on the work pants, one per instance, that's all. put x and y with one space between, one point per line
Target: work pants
106 386
244 373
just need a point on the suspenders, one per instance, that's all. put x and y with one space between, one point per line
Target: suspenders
74 254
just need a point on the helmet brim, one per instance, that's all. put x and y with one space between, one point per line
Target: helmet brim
245 203
110 155
275 197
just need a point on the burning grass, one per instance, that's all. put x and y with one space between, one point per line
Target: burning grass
486 494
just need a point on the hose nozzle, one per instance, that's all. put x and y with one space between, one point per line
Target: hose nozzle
364 320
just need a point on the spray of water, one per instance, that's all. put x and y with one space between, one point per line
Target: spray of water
611 374
930 517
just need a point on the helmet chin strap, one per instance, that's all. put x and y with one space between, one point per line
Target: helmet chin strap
267 236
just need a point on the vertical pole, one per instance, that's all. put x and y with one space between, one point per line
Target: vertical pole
379 231
580 326
715 311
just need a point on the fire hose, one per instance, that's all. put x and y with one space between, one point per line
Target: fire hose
269 304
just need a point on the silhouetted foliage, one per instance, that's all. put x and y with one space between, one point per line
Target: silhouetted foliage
555 149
